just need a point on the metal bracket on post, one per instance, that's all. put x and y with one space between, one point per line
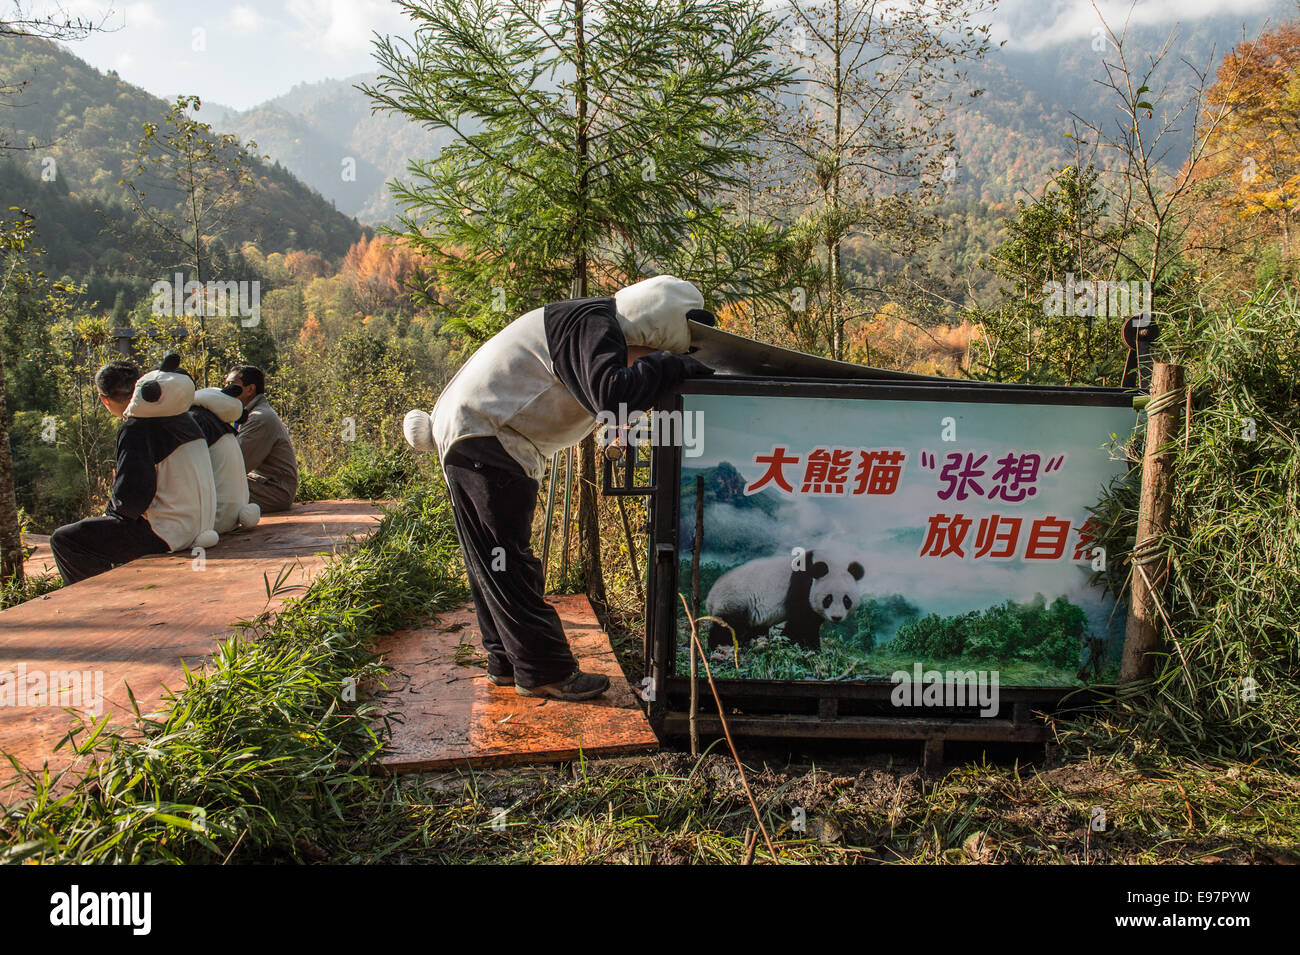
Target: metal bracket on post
626 465
1138 332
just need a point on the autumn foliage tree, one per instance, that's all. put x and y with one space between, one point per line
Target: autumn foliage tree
381 270
1249 178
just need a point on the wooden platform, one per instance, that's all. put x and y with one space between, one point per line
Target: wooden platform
138 622
452 716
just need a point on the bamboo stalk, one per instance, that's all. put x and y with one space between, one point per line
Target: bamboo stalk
726 732
550 513
564 534
695 607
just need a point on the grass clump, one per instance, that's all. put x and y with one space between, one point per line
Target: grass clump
671 808
14 591
368 473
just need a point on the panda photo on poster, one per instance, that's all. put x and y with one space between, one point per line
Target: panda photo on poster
849 539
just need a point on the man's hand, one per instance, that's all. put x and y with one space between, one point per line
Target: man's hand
694 368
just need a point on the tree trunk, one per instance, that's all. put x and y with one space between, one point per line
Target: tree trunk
833 297
593 573
833 250
11 549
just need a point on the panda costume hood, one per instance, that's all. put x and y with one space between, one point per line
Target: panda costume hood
183 506
538 385
216 410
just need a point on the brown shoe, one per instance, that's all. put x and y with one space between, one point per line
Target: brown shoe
577 686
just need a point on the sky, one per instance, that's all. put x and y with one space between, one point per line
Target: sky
236 54
242 54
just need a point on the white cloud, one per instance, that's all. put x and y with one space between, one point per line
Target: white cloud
140 15
343 27
245 19
1033 24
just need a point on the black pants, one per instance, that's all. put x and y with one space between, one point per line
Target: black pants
269 497
97 544
492 501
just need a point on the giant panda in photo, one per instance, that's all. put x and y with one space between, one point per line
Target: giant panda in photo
216 410
804 589
183 511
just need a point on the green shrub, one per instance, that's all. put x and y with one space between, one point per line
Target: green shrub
1230 666
368 473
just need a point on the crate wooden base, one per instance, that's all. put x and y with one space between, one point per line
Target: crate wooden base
932 732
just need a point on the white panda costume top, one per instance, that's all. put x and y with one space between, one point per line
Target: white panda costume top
538 384
216 410
182 508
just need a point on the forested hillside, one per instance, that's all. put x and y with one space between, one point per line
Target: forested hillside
83 128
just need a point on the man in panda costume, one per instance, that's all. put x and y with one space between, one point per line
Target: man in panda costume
534 389
216 410
163 497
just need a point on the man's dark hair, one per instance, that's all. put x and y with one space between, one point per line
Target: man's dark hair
116 380
250 375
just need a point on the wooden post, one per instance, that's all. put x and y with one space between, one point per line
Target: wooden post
695 607
1149 567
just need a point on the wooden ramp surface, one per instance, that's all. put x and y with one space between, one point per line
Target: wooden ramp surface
138 622
40 561
447 714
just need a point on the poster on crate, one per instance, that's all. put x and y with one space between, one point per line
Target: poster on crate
850 539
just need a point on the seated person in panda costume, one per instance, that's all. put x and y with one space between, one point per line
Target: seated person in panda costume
163 497
217 410
531 390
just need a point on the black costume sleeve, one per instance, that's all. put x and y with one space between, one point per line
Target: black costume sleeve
135 480
589 355
213 428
